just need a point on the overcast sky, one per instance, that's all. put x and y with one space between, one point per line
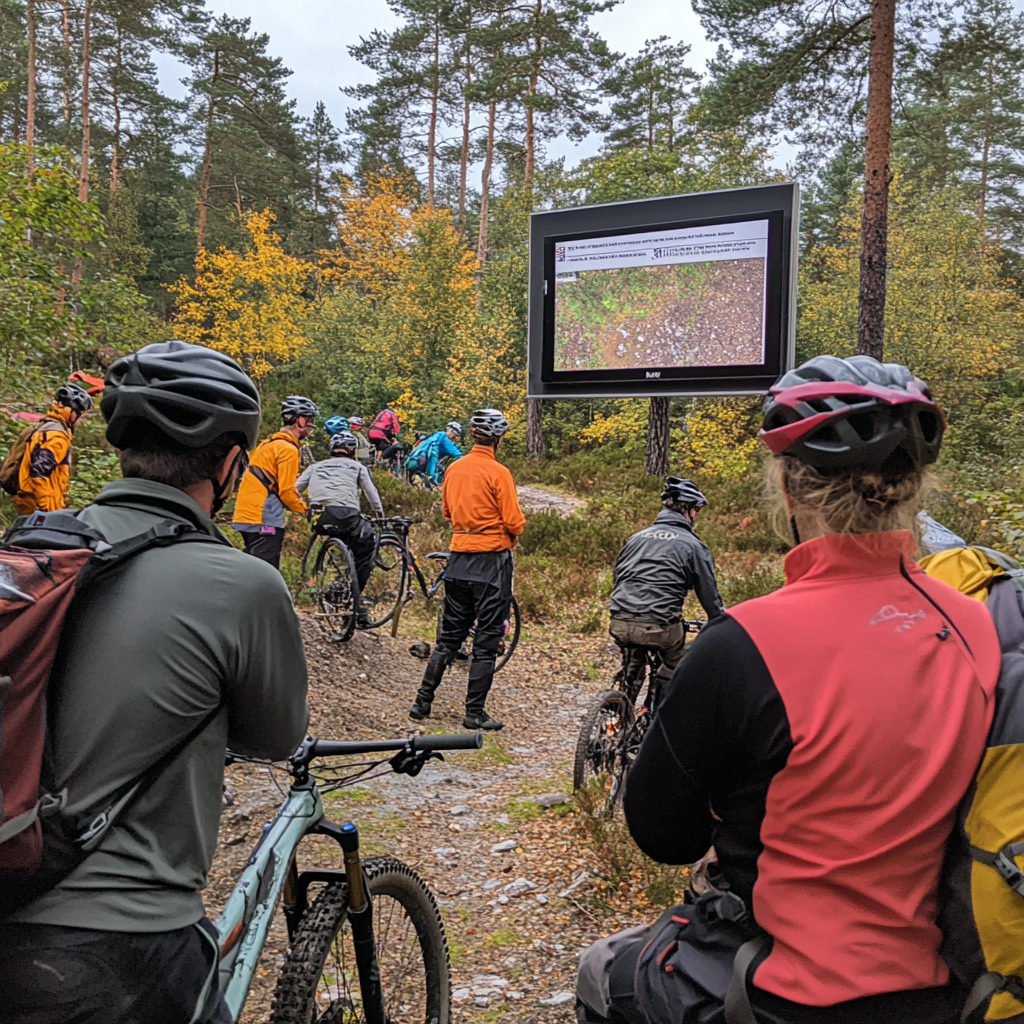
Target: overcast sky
312 38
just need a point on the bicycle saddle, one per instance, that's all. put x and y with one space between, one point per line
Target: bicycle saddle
440 556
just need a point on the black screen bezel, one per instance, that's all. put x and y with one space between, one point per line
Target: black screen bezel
776 288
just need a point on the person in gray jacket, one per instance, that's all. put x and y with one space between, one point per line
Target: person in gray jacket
655 571
336 483
177 636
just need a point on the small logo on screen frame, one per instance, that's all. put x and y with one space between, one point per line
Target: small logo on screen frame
653 374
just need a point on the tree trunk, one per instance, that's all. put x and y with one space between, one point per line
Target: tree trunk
485 183
464 159
66 84
656 455
875 218
985 149
531 131
83 180
435 87
204 184
116 101
30 100
534 429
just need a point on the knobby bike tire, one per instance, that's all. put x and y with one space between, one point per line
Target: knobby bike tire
337 626
603 735
387 582
417 989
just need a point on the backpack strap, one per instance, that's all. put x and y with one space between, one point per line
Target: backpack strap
737 1000
988 985
1004 863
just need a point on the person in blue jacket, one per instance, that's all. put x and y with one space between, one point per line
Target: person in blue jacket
423 460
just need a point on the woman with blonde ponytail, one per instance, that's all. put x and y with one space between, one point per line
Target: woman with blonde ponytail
820 738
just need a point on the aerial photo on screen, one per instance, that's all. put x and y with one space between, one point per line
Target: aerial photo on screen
662 299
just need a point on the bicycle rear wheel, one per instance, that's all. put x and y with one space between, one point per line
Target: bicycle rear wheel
511 638
387 582
602 739
337 590
319 981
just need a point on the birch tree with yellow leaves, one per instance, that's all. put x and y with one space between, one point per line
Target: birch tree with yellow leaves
253 306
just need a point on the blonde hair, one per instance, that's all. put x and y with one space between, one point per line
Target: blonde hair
860 499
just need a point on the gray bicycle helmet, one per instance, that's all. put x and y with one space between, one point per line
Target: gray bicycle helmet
835 413
189 393
455 427
343 443
295 406
488 423
679 491
75 398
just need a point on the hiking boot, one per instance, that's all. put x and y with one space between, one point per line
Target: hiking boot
419 711
482 721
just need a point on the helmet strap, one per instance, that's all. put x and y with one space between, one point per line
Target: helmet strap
222 489
796 532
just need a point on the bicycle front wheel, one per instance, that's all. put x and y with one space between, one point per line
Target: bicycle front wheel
319 980
337 590
387 582
602 740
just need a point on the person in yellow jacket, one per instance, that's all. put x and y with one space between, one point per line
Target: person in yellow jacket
268 487
45 472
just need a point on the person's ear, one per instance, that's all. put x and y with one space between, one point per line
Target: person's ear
228 466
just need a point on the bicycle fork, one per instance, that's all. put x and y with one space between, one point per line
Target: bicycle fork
360 917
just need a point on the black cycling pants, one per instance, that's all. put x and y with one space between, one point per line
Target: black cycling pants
468 603
265 546
58 975
348 524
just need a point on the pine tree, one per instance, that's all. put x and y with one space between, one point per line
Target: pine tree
652 94
245 127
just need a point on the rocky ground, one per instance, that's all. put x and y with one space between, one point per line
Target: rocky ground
537 499
491 831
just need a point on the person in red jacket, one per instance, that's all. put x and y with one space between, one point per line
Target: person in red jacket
821 738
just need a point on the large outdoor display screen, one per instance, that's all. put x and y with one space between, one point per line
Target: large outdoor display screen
684 295
681 297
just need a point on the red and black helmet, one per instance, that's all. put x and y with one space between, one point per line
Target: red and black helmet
835 413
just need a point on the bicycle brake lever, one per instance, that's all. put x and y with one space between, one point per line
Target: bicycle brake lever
408 762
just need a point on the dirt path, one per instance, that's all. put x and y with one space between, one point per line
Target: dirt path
537 499
486 829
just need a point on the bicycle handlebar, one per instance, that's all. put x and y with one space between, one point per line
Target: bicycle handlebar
457 741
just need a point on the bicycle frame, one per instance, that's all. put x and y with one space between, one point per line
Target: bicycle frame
247 915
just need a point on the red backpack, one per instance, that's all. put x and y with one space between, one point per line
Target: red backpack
45 559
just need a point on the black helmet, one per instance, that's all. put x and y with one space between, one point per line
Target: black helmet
682 492
835 413
189 393
488 423
343 443
295 406
75 398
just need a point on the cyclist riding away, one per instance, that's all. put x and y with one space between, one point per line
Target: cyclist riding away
384 432
179 636
336 483
655 571
821 738
479 497
44 474
268 488
424 459
363 450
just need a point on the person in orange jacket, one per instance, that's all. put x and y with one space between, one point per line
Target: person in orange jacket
479 497
268 487
45 473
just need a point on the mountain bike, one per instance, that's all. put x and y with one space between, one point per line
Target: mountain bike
613 728
368 947
390 585
333 586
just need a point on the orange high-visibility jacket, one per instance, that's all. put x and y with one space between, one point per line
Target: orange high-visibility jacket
46 468
479 497
276 461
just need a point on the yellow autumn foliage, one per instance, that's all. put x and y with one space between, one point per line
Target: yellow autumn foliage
626 426
252 306
949 316
720 440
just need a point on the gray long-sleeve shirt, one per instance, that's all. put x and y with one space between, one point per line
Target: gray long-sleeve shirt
657 567
337 481
146 653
